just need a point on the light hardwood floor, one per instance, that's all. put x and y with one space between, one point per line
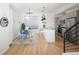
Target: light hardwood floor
41 47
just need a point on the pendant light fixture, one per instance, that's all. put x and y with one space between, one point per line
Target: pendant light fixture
43 14
43 18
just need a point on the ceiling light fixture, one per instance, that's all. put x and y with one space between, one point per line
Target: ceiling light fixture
28 13
43 14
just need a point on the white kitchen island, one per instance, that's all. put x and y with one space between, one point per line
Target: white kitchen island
49 35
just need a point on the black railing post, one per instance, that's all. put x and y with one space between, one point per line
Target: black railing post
64 44
76 31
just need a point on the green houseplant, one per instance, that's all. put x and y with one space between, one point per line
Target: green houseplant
23 26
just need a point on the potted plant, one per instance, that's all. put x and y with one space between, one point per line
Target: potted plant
23 26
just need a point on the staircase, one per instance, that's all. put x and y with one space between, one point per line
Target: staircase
71 39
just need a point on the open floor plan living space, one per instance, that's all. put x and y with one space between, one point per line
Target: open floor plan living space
39 28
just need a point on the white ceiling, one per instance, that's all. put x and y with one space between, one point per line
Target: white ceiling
37 7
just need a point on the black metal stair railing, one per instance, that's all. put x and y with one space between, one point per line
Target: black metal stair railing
71 36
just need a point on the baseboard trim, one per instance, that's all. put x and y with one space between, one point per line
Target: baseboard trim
71 53
1 53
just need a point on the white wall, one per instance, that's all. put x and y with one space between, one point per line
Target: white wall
16 23
32 21
5 33
50 20
71 13
11 25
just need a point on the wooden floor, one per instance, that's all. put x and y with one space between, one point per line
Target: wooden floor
41 47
